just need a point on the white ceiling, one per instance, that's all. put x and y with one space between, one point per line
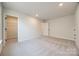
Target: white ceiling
45 10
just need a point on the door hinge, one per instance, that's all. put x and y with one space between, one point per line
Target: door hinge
5 28
5 18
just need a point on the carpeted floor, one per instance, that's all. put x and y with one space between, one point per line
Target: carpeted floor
42 46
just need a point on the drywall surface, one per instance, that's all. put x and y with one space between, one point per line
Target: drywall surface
0 27
44 27
77 26
28 27
62 27
0 22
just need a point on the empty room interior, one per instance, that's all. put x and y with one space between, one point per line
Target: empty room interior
39 29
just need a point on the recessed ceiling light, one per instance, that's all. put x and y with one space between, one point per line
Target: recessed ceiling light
60 4
36 15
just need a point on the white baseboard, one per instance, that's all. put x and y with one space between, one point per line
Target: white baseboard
61 38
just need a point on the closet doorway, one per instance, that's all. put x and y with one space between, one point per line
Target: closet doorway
11 28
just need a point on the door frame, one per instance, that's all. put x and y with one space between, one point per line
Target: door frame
16 25
5 18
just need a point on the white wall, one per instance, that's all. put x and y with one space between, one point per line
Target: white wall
77 26
0 22
62 27
28 27
44 26
0 27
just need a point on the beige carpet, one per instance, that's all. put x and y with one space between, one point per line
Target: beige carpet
42 46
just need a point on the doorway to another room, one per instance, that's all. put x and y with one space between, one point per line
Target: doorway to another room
11 29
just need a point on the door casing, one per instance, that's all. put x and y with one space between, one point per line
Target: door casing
6 27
